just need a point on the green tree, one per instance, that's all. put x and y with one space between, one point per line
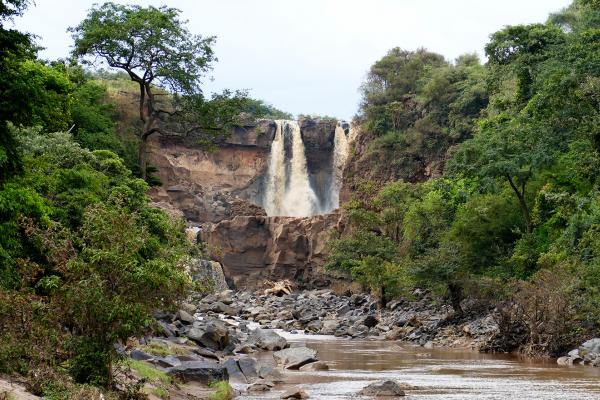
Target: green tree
153 46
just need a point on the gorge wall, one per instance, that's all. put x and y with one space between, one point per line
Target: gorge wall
289 170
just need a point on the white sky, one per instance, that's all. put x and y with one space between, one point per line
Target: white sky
310 56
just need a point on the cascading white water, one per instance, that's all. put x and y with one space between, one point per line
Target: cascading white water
340 155
300 198
276 180
289 194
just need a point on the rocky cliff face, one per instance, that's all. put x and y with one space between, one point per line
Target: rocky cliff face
254 248
217 185
223 191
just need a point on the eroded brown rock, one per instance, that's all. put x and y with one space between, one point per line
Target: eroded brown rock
254 248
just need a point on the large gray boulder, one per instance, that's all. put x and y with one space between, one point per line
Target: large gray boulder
295 357
213 335
383 389
199 371
267 339
250 368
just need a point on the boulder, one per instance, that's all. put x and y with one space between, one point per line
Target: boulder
234 371
185 317
315 366
329 326
383 389
213 335
270 373
267 339
591 346
249 367
369 321
295 357
260 386
199 371
140 355
294 393
222 308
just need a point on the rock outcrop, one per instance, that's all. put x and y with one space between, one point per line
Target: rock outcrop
254 248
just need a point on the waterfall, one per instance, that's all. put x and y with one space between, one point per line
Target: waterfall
276 180
288 190
340 155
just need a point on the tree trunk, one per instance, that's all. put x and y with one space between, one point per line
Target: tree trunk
522 203
383 301
455 299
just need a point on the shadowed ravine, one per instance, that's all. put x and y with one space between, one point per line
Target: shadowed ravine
437 373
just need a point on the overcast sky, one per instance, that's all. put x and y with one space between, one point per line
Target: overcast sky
310 56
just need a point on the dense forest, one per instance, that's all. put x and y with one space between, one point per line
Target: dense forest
84 258
476 181
510 212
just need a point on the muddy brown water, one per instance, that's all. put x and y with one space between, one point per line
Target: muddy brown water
438 373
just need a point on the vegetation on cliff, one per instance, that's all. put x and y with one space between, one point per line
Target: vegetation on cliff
510 213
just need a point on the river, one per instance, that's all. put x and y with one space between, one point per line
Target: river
437 373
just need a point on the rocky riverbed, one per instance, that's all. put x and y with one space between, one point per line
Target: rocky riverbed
224 336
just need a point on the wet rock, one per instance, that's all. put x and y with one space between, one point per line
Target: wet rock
244 348
294 393
383 389
261 386
315 366
295 357
270 373
199 371
314 326
267 339
329 327
395 333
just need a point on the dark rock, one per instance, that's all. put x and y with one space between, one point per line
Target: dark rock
206 353
383 389
167 361
199 371
234 371
295 357
213 335
249 367
140 355
369 321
